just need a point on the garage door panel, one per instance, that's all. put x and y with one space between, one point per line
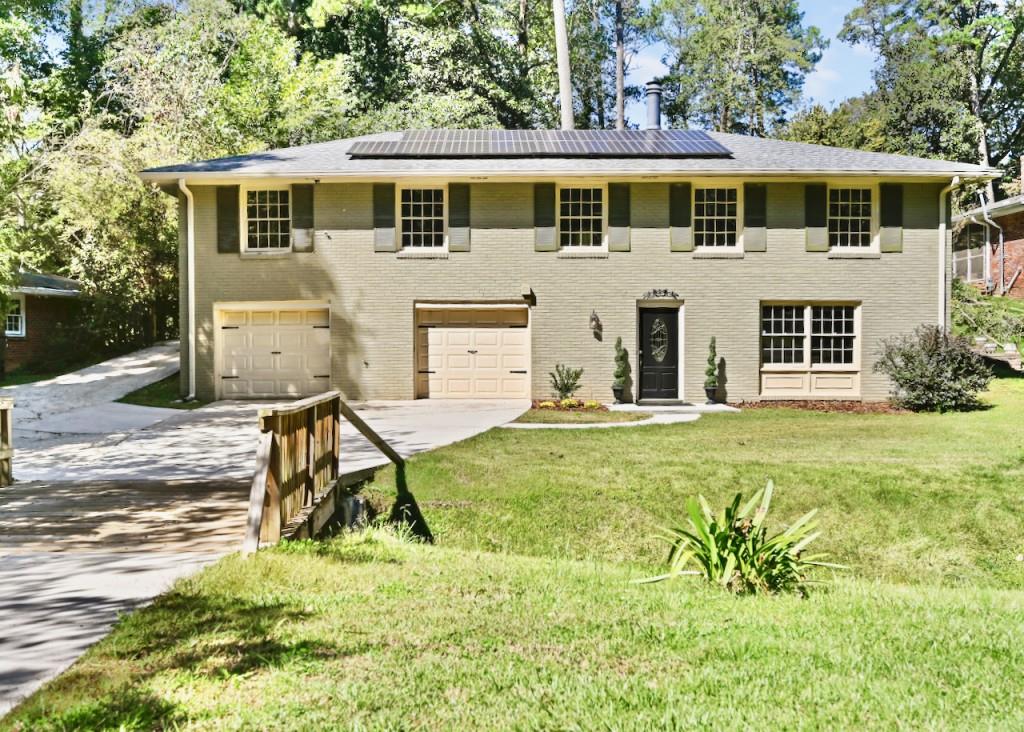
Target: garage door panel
470 353
270 352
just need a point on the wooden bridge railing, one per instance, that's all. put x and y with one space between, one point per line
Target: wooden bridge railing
297 459
6 441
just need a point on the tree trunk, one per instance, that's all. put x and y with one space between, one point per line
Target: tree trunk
982 134
620 66
598 68
564 75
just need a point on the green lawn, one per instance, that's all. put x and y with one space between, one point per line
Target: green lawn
555 416
41 372
523 614
164 393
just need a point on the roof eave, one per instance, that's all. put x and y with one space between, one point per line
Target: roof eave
46 292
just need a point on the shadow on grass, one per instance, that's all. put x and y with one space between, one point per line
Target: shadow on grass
215 638
406 511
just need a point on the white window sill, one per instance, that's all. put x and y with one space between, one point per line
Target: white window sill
723 253
14 335
581 254
262 254
422 254
853 254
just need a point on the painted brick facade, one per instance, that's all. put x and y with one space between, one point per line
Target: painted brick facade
372 295
43 315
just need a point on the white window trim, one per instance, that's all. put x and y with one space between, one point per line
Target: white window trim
604 216
806 366
243 221
20 299
443 249
703 185
876 225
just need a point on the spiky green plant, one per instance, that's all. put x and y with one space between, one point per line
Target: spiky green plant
733 549
565 380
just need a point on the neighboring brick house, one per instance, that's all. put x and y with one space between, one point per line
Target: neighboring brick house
41 303
467 264
990 252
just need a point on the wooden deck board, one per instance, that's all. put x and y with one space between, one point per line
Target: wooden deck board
171 516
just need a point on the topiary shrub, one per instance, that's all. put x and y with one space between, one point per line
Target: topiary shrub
933 371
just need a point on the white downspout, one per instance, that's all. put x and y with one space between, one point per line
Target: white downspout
1002 245
942 249
190 255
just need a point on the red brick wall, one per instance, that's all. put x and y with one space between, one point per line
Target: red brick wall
1013 238
42 314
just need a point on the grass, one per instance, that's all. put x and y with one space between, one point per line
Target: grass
555 416
164 393
523 615
372 633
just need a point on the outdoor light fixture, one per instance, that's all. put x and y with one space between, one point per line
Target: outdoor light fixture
595 324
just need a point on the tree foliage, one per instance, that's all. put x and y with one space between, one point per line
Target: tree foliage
735 65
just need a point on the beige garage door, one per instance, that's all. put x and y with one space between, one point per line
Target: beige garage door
473 354
274 352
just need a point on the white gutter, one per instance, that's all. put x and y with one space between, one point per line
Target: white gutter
1002 245
942 249
190 255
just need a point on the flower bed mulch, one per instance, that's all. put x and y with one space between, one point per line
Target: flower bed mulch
559 408
810 405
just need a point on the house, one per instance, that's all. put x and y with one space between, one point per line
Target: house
40 305
988 249
468 263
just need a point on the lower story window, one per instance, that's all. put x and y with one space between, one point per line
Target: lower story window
15 325
808 336
810 351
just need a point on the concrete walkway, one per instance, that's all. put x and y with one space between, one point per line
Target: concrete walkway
110 521
83 402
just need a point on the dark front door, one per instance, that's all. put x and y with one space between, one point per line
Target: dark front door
659 353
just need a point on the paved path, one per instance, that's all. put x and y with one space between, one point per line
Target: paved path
84 402
109 521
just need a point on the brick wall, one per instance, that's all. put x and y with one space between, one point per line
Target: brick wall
42 315
372 294
1013 238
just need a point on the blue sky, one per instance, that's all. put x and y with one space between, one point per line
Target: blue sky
844 71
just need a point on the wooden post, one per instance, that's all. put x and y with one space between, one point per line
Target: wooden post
6 441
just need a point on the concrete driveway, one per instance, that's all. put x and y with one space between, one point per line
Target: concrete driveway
114 503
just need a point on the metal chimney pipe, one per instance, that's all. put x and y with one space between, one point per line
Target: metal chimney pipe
653 105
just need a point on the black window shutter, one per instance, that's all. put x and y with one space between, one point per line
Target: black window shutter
891 204
679 205
458 217
755 205
815 205
544 204
544 217
384 239
227 219
302 206
618 204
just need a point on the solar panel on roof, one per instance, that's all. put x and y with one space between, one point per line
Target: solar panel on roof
543 143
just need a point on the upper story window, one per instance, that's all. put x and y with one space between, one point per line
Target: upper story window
849 217
15 325
803 336
715 217
581 217
422 218
268 220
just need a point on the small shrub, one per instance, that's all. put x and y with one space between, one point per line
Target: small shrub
569 403
932 370
546 405
565 380
591 404
734 550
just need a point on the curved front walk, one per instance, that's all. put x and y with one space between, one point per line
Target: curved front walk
101 523
674 414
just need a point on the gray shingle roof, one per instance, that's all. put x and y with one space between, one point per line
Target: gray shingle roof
38 282
750 155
